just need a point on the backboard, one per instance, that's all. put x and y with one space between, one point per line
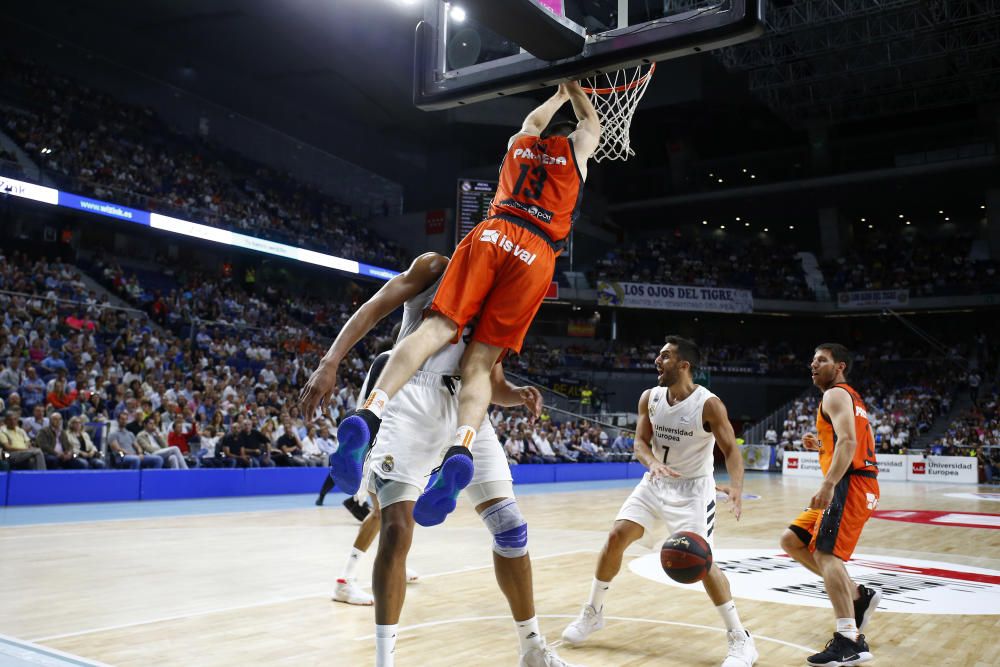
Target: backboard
459 61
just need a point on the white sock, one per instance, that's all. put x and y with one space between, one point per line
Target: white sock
598 589
464 437
376 402
848 628
352 564
385 645
528 634
727 611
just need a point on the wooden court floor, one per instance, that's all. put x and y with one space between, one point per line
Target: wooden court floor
252 587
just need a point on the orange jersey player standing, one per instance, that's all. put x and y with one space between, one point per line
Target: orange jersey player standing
496 281
823 537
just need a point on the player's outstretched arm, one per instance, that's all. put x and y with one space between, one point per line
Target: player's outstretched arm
422 273
714 414
839 406
587 135
644 436
508 395
538 120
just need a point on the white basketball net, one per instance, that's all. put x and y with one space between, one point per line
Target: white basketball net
615 96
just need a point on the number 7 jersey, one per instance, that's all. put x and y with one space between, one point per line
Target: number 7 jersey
540 182
679 436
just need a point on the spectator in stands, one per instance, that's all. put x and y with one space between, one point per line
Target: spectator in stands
310 450
16 445
974 381
36 422
10 375
53 361
176 437
32 388
125 451
64 401
50 441
770 436
288 449
76 439
326 441
255 448
150 441
544 446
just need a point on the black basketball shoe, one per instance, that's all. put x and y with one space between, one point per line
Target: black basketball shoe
358 510
842 651
865 605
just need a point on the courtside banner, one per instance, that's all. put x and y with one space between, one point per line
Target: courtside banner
756 457
955 469
892 467
896 467
801 464
873 298
674 297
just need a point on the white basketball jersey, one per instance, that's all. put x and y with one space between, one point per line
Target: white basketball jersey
679 436
445 361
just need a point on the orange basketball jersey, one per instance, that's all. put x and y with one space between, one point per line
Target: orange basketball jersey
864 453
540 182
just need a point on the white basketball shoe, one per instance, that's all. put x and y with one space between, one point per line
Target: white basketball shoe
542 657
742 651
347 591
588 622
411 576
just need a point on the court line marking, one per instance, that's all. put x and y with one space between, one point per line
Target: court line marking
629 619
264 603
35 652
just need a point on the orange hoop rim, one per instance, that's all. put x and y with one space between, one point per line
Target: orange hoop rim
618 89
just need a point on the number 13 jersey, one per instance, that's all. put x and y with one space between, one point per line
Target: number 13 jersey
540 182
679 436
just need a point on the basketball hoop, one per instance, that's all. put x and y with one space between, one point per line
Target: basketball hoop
615 96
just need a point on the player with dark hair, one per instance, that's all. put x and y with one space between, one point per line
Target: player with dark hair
499 275
679 424
823 537
424 413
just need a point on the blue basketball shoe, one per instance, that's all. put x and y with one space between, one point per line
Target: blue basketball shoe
356 433
440 498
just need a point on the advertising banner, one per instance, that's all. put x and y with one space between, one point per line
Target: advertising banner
674 297
896 467
756 457
873 298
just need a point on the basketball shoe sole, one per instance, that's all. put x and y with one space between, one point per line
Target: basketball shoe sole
355 434
440 498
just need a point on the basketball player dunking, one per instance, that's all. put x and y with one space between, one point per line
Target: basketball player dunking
499 274
679 424
422 417
824 536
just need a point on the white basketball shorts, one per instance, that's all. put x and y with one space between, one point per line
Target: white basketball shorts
418 426
679 504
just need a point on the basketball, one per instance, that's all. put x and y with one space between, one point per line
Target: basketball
686 557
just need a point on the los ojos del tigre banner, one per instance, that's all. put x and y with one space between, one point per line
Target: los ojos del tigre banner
674 297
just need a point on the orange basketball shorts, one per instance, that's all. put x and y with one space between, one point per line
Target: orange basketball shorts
500 272
838 529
